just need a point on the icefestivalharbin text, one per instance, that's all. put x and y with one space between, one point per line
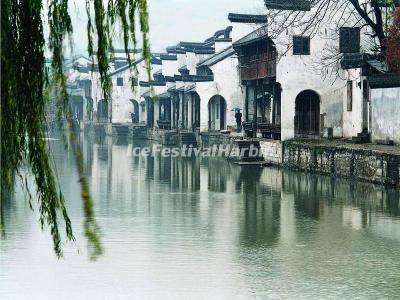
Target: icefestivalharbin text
189 151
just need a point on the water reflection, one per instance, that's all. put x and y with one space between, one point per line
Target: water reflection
201 228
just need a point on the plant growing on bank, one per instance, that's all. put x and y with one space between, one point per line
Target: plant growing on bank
25 81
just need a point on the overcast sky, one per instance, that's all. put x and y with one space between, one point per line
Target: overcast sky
172 21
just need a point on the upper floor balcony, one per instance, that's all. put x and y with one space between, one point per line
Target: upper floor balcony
257 67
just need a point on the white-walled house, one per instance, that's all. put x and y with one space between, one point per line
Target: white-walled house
292 96
313 102
222 96
273 80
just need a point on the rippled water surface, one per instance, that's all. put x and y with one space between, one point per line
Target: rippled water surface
187 228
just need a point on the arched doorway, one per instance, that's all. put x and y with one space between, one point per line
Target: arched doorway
306 120
77 108
102 111
89 108
134 108
150 112
195 111
217 113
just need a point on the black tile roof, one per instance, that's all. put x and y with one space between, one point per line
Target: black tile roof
169 78
212 60
126 66
295 5
152 83
204 51
130 50
196 47
195 78
223 33
254 36
191 44
244 18
158 77
156 61
168 57
178 77
175 50
382 81
354 60
184 70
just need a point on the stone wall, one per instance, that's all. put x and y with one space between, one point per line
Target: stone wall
355 163
271 151
165 137
209 139
385 111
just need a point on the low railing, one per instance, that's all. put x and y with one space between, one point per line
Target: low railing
164 124
268 130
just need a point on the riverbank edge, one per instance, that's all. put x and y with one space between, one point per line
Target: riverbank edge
341 159
335 158
326 157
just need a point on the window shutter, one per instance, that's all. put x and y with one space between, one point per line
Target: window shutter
296 45
301 45
349 40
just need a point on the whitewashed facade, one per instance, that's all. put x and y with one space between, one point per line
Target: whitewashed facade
198 86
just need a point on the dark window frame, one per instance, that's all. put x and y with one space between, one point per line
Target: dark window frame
120 81
301 45
349 39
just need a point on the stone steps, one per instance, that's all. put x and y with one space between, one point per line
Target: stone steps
121 129
188 138
244 148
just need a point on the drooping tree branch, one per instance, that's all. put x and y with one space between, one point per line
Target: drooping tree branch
25 84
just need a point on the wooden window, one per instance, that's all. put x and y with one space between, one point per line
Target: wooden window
301 45
349 40
349 95
120 81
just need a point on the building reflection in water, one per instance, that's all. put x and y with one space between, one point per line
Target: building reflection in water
266 226
307 194
218 173
261 215
271 203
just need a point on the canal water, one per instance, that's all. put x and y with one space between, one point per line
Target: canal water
202 228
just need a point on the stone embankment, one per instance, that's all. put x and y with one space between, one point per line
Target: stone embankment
367 162
271 150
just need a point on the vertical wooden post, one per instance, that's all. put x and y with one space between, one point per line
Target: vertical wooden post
246 104
273 104
263 103
255 110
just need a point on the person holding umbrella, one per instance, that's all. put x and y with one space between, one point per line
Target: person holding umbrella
238 117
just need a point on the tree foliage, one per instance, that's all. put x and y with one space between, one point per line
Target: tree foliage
24 80
393 43
329 15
